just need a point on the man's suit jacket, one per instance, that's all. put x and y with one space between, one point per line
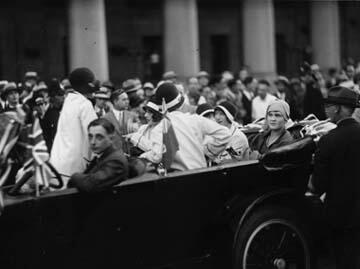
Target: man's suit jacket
126 125
247 105
110 169
49 125
336 172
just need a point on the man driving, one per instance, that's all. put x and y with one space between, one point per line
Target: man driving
108 167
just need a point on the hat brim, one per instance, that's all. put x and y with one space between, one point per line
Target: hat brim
226 112
342 101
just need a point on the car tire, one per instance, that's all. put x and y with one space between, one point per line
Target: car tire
272 237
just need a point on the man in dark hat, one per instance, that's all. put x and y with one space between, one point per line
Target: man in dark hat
336 173
70 148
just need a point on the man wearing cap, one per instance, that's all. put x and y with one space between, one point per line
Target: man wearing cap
70 151
102 97
190 130
336 173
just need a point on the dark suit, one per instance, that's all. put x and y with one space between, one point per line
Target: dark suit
247 104
48 125
122 127
336 172
110 169
314 102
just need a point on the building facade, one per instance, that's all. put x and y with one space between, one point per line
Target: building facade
119 39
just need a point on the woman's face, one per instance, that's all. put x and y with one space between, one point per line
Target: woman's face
148 116
221 118
275 120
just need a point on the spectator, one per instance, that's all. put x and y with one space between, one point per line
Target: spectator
102 97
125 121
287 94
335 173
248 95
262 101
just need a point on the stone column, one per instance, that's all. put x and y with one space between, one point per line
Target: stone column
87 37
259 37
181 37
325 33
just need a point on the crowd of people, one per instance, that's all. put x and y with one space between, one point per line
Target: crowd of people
94 129
66 108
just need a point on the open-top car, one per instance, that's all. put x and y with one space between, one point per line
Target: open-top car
250 214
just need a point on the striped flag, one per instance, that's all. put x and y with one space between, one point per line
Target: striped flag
170 142
37 154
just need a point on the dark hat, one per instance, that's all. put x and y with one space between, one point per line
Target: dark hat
339 95
229 110
204 109
152 106
171 95
108 84
102 93
131 85
82 79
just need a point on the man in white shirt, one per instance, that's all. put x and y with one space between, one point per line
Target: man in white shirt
71 152
262 100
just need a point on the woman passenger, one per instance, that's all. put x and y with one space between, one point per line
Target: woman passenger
238 147
275 134
144 137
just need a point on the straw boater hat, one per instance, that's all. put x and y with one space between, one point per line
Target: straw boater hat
102 93
130 86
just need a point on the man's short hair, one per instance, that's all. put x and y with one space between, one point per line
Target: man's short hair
264 81
115 95
108 126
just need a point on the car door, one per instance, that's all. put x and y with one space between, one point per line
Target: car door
115 227
191 203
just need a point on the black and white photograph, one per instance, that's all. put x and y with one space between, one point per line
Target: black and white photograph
180 134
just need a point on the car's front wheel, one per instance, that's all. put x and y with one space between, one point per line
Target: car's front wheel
272 237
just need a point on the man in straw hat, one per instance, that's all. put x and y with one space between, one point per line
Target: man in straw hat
336 174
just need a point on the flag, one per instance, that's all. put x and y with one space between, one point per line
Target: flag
39 149
170 142
37 154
